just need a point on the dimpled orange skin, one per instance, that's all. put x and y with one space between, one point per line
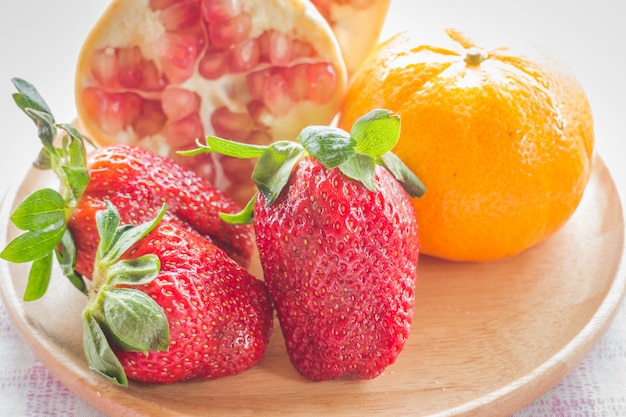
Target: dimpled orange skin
503 143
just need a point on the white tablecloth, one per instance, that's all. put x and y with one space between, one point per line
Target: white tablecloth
40 40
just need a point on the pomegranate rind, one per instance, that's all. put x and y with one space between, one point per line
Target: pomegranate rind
130 23
357 28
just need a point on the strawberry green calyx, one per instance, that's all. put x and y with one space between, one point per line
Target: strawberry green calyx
67 161
355 154
117 312
43 215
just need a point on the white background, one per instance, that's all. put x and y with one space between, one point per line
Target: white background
40 41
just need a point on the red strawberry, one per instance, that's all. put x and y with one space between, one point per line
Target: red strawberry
138 183
166 303
338 241
340 263
218 316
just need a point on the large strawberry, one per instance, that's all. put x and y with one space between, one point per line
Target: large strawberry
338 241
165 303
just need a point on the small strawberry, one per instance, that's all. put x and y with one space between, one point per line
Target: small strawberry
173 305
338 241
166 304
138 183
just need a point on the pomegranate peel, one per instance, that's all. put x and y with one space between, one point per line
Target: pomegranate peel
346 18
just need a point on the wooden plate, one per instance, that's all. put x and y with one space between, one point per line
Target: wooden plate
487 338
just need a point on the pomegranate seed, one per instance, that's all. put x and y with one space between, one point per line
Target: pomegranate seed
180 15
244 56
276 95
179 56
261 117
256 82
220 10
230 125
179 103
258 137
264 45
129 67
94 100
237 170
322 81
297 78
230 32
301 49
279 48
113 111
104 66
151 120
119 110
213 64
133 108
183 133
152 80
195 35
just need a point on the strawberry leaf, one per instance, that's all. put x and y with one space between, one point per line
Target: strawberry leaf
77 180
77 147
376 133
108 222
98 352
28 96
329 145
409 181
136 271
70 165
114 240
245 216
33 244
134 320
273 169
43 160
30 101
369 142
226 147
360 168
38 278
46 129
66 257
39 210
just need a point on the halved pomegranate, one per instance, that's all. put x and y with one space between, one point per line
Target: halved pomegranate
357 24
162 73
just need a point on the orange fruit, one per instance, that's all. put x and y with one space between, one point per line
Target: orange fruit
357 24
161 73
501 137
